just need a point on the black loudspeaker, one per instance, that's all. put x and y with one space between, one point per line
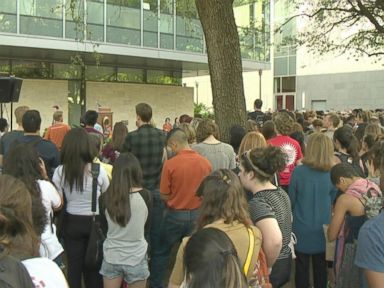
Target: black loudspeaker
10 89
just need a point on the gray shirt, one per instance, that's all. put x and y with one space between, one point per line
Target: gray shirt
127 245
221 155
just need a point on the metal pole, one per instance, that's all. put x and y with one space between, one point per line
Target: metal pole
197 92
260 73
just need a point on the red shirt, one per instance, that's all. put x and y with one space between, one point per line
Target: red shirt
293 150
180 178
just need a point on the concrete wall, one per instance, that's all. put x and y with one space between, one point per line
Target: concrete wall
42 95
166 101
342 90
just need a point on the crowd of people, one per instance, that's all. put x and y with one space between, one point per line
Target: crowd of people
289 191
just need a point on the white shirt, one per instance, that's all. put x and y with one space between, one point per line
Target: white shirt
79 203
50 246
45 273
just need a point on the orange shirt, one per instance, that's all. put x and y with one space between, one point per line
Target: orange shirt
180 178
56 133
167 127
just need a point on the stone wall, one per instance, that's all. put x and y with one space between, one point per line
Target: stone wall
166 101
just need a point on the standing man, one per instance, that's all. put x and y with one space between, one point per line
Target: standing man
147 144
57 131
47 150
180 178
257 115
90 120
9 137
331 122
284 124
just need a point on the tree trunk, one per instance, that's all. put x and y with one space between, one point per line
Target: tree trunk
224 60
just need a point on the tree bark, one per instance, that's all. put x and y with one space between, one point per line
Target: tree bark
224 60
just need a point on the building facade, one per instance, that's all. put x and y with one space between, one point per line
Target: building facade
83 54
305 81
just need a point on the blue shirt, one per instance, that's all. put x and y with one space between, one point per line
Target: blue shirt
311 192
370 245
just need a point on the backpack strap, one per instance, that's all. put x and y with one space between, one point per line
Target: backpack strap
251 248
95 169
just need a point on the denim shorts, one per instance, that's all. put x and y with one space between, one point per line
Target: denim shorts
130 274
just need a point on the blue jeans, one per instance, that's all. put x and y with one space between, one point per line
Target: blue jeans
176 225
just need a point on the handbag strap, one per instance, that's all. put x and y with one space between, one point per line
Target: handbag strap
251 248
95 169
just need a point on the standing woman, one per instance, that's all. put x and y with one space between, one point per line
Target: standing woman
221 155
312 193
224 207
74 179
270 208
23 162
347 147
113 149
125 248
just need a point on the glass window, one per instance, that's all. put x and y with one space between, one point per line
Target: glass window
123 22
189 33
95 20
8 20
161 77
100 73
29 69
66 71
292 65
74 20
280 66
41 17
150 23
130 75
76 102
5 68
277 85
166 24
289 84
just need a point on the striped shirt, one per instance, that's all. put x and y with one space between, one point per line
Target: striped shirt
274 204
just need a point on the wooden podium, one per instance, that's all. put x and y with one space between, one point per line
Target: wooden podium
105 118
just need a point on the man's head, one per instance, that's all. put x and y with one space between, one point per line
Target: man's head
331 121
258 104
19 113
58 116
143 113
177 140
284 123
343 175
31 121
90 118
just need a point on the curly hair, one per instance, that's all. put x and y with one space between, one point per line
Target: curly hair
264 162
284 123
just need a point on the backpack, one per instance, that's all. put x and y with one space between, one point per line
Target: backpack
372 204
261 273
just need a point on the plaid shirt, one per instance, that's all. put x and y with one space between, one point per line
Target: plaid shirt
147 144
